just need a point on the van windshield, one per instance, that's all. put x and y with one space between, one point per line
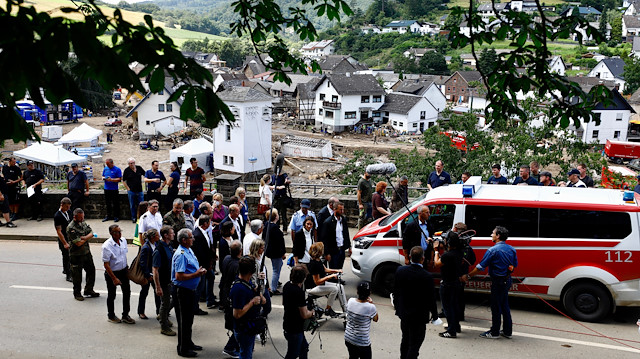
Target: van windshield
394 216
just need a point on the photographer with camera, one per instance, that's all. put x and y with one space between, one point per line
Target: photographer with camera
246 302
450 268
468 259
295 312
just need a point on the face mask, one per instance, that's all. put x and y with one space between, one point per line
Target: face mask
216 203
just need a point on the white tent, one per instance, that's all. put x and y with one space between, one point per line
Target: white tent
48 154
198 148
82 133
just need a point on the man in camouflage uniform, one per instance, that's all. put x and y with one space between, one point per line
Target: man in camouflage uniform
79 234
175 219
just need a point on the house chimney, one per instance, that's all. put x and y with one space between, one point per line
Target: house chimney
348 74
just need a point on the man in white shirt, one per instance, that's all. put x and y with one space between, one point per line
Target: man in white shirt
256 231
150 219
235 218
114 257
206 210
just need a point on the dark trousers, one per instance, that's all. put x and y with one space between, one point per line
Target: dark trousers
282 211
77 263
183 300
165 305
450 304
500 305
461 302
77 198
35 204
357 352
113 203
142 301
297 346
170 197
413 332
111 293
65 258
337 260
155 195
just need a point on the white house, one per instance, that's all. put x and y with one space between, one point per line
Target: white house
614 122
402 26
557 65
488 14
409 113
344 100
244 146
425 88
417 53
610 69
371 29
630 26
428 28
589 37
155 116
318 48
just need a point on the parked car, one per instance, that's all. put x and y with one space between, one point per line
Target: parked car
634 164
113 122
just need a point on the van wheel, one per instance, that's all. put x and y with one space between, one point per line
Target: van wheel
384 279
588 302
618 161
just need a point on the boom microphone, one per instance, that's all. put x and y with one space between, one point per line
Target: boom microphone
277 166
381 169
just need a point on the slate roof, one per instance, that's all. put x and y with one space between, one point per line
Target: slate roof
306 91
470 76
635 98
399 103
331 62
413 87
386 77
420 51
586 83
631 22
401 23
499 7
354 84
619 103
317 45
616 66
295 80
243 94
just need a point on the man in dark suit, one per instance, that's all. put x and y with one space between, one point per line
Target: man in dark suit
336 237
414 299
324 213
204 248
235 218
418 233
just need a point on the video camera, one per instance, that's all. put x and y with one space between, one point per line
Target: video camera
313 323
465 237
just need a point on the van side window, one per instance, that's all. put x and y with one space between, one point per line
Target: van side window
563 223
441 219
393 233
520 221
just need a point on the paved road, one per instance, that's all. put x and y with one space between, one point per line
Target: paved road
42 320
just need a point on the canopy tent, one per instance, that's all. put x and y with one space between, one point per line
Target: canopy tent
49 154
82 133
199 148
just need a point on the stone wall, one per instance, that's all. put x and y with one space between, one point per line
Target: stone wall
95 206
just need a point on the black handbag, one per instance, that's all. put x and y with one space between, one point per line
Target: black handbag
287 200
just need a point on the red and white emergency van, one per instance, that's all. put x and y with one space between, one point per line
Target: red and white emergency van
579 246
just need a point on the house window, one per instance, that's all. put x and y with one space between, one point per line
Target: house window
619 116
364 99
431 124
322 97
616 134
348 115
376 114
595 134
423 115
377 98
228 133
596 117
161 107
320 112
169 107
400 124
455 80
328 114
334 98
395 123
415 125
227 160
148 122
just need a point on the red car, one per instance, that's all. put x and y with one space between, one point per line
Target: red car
113 122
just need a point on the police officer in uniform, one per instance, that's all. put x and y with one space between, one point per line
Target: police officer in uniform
185 275
79 234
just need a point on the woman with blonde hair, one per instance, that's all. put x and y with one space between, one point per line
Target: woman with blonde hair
241 193
266 195
256 251
320 285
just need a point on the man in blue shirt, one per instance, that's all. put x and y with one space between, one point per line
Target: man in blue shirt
185 276
497 178
501 260
111 175
525 177
298 218
78 186
438 177
155 181
245 302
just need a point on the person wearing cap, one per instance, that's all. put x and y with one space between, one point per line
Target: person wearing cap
360 313
112 176
497 177
78 186
12 175
33 178
574 179
546 179
297 220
